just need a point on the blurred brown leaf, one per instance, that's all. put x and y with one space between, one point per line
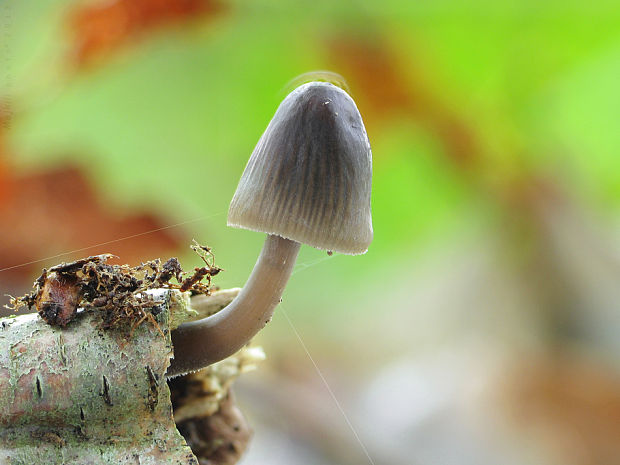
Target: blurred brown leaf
385 87
572 405
57 211
103 27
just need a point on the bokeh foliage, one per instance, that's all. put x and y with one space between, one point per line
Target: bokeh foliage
168 118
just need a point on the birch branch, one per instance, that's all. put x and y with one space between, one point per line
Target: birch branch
87 395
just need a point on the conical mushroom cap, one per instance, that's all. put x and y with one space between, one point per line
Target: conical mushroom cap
309 176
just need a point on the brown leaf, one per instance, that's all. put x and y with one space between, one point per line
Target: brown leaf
103 27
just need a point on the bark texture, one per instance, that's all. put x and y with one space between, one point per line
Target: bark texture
86 395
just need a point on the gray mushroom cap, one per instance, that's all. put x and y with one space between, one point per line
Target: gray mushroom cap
309 177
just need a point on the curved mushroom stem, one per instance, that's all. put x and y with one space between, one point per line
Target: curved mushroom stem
198 344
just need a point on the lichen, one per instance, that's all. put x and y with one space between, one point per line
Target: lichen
105 401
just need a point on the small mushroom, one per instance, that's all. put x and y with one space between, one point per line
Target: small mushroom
308 181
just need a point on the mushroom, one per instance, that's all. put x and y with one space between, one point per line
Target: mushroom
307 181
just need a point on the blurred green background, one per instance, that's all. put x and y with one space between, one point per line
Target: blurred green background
496 199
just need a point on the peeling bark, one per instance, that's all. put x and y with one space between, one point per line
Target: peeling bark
220 438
